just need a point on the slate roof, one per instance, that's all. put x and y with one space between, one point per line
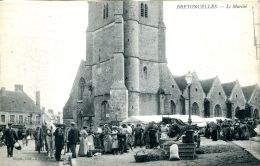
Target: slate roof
228 87
181 82
248 91
207 84
17 101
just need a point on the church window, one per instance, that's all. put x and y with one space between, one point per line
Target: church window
145 71
142 10
196 89
236 96
146 10
106 10
104 111
219 93
172 86
81 88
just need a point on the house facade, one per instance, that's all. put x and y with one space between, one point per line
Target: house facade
18 108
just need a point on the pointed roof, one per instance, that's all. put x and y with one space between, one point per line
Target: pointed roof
228 87
207 84
181 82
248 91
17 101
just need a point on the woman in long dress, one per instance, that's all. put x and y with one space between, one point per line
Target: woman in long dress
164 131
90 143
83 146
107 140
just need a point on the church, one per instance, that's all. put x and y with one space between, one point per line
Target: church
125 72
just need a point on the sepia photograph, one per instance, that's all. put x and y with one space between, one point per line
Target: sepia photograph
130 82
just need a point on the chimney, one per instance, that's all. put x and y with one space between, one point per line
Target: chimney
38 99
2 93
18 87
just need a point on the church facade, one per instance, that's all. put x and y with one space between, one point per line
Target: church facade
125 72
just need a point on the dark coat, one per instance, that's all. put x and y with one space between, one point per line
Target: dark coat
10 137
73 136
59 138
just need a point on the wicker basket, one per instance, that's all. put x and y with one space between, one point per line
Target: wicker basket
141 156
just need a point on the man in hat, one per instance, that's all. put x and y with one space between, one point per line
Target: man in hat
10 138
73 138
59 142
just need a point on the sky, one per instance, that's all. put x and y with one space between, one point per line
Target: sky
42 44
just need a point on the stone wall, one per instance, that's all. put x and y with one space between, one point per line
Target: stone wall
217 96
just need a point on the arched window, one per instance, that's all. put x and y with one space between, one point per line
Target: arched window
146 10
256 114
106 10
104 111
142 10
173 108
237 112
195 109
81 88
217 111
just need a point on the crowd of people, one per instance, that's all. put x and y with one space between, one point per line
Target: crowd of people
229 130
116 139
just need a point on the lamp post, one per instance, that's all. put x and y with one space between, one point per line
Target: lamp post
189 132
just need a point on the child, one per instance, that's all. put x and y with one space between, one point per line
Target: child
114 140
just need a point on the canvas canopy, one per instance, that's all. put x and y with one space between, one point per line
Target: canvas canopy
208 120
194 118
143 119
158 118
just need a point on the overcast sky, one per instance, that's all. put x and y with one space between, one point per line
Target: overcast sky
42 44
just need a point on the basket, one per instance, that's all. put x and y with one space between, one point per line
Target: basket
141 156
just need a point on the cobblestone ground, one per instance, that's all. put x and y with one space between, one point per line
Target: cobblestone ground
26 157
217 153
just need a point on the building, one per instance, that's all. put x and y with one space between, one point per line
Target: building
125 68
252 95
215 98
196 95
236 100
125 72
18 108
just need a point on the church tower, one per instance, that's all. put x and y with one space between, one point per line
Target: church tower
144 52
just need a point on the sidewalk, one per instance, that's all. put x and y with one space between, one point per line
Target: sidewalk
253 147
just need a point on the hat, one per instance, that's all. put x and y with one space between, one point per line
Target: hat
9 124
72 123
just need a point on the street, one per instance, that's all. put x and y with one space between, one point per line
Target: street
27 156
217 153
